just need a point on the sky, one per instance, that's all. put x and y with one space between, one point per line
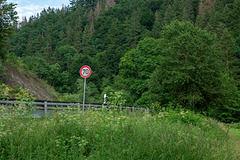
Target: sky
32 7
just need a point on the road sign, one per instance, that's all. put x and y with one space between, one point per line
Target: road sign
85 71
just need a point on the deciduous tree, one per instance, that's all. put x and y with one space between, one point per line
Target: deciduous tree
190 73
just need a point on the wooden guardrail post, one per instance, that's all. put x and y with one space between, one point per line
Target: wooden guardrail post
45 108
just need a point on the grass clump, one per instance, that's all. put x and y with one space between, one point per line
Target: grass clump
113 135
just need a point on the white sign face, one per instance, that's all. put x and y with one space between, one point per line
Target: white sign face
85 71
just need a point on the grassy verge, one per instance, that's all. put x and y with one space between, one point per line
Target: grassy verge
113 135
235 134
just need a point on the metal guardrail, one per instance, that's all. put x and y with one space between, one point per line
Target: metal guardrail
46 105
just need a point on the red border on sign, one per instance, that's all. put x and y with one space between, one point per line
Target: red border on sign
90 71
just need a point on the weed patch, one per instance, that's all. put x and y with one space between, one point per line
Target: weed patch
113 135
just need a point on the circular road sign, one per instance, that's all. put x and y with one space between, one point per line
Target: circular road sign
85 71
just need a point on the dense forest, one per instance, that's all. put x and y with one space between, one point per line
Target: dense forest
150 53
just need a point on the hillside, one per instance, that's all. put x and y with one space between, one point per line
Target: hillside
149 53
16 75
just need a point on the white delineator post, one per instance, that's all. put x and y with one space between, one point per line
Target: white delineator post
105 99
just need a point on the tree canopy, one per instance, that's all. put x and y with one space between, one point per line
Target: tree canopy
7 20
190 73
181 52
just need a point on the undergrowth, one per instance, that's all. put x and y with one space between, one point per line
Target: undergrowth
112 135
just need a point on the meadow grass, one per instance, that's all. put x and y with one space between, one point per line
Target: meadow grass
235 134
113 135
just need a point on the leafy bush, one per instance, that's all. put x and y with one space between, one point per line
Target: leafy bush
182 116
20 93
117 98
4 91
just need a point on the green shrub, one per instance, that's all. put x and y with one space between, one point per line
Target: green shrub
4 91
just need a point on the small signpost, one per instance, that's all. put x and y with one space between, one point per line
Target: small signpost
85 72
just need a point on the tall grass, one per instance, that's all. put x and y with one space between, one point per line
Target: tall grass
113 135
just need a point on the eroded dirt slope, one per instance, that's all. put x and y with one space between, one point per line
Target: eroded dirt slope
16 76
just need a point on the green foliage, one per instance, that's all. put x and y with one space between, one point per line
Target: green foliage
52 34
144 100
92 94
182 116
20 93
107 135
226 47
190 73
137 65
117 98
7 21
4 91
67 55
198 69
235 125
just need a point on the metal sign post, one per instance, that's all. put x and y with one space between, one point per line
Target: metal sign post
84 93
85 72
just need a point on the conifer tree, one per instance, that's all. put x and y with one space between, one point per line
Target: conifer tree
61 35
78 40
109 4
177 7
73 4
29 46
86 36
24 21
204 12
187 11
48 50
56 59
91 22
37 44
70 35
234 18
8 17
133 29
169 15
157 26
226 47
98 9
113 33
